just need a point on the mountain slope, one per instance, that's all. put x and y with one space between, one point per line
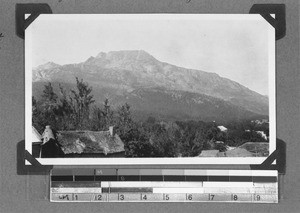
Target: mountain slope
169 105
120 73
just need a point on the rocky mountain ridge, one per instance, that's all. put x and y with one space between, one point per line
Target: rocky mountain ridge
123 73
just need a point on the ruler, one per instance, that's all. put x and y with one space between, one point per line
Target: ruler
163 185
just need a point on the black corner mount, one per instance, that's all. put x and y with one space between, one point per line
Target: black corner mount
265 10
34 10
279 155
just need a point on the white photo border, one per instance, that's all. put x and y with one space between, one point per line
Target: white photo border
155 161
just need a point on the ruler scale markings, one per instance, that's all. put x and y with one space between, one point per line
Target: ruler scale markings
172 185
265 198
129 197
219 197
196 197
151 197
169 197
113 197
82 197
100 197
237 197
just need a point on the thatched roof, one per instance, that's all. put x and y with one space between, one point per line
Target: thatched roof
238 152
259 149
89 142
249 149
209 153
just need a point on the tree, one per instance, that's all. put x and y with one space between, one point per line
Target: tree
163 142
66 111
124 119
48 107
48 93
136 142
197 143
37 120
82 100
49 98
108 114
97 119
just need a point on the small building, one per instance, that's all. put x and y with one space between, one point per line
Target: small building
82 144
222 128
238 152
91 143
36 143
209 153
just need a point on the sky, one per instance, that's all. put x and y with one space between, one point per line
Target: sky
237 47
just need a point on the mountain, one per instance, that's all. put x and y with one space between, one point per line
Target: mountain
40 72
141 80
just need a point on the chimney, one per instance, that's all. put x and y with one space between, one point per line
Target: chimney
47 135
111 131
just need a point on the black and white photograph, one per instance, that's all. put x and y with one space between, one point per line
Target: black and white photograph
150 89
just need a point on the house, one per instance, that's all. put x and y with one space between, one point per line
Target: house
258 149
50 147
85 143
222 128
238 152
91 143
263 121
209 153
36 143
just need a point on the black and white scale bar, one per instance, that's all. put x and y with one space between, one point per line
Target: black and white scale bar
166 178
163 175
113 185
